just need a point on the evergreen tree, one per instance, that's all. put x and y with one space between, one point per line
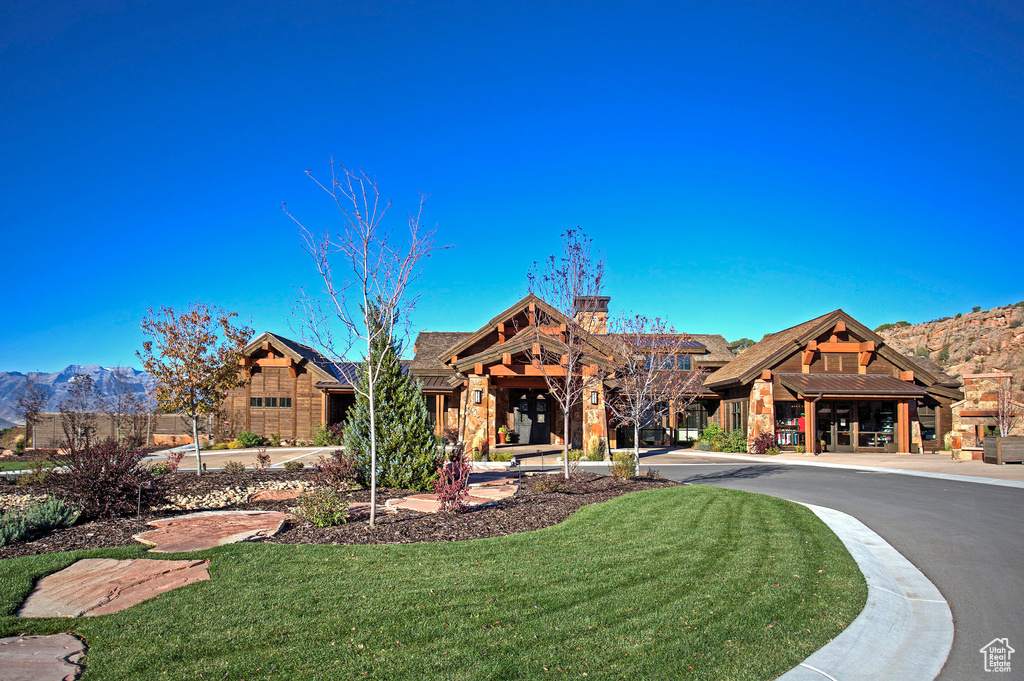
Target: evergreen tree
407 449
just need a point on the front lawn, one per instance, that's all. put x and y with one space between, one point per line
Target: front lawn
676 583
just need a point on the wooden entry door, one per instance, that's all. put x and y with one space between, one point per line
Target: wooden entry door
532 416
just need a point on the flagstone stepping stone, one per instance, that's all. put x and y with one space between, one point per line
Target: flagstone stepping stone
198 531
41 658
100 586
478 496
276 495
495 482
361 509
494 493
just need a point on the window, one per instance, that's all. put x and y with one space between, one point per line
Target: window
255 401
431 401
736 420
270 402
684 362
286 402
926 415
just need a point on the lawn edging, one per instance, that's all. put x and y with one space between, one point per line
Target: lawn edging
905 631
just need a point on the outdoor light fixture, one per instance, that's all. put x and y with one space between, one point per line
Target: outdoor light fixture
478 396
593 397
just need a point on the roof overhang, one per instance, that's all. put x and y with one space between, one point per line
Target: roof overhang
850 385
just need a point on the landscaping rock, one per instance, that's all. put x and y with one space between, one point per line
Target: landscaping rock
100 586
41 658
276 495
198 531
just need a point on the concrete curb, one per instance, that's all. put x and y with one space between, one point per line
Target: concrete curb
853 467
905 631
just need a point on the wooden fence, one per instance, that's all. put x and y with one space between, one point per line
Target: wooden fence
158 429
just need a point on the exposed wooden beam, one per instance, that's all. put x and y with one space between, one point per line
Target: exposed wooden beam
906 375
840 327
812 346
506 358
867 346
501 334
840 346
275 362
455 358
293 371
266 345
807 358
533 314
478 369
520 370
865 358
535 349
766 375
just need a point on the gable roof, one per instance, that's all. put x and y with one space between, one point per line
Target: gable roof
305 355
499 318
776 347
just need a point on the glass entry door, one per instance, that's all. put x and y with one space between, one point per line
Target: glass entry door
834 424
532 417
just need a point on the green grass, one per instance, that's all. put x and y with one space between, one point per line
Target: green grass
19 465
679 583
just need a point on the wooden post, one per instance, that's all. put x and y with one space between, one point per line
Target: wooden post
903 426
810 436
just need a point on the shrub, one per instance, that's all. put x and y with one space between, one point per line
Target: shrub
575 455
275 440
234 467
947 442
703 446
762 443
262 460
800 449
773 451
50 514
323 507
294 465
623 465
958 315
501 455
922 351
19 444
976 308
335 471
249 439
327 436
235 444
38 474
547 483
161 468
103 480
12 529
944 354
595 452
883 327
174 460
735 442
452 484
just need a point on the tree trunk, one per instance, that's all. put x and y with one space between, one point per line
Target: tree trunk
195 441
636 449
373 452
565 443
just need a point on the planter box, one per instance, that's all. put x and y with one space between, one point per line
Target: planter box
1000 450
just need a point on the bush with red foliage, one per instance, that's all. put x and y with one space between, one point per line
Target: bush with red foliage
336 471
174 460
103 480
452 484
762 443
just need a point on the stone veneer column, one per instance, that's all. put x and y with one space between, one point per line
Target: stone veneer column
981 394
761 411
595 422
476 434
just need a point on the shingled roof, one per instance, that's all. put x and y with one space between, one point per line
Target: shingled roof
429 346
764 350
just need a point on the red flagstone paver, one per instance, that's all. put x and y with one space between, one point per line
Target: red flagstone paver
497 482
41 658
361 509
422 505
494 493
100 586
198 531
276 495
478 496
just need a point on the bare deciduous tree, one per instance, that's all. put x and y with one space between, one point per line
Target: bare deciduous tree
78 411
363 305
570 283
1007 410
195 360
29 399
125 406
653 374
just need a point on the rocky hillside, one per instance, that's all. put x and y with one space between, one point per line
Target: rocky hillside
975 342
56 384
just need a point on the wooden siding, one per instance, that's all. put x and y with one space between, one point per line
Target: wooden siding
295 422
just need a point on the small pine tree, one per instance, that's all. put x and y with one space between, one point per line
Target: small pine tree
407 449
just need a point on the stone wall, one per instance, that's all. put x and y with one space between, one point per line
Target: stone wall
595 423
977 410
761 413
475 422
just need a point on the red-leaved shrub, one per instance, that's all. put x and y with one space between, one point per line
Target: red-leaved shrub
335 471
101 479
452 484
762 443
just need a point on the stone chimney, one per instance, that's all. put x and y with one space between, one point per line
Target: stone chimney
592 313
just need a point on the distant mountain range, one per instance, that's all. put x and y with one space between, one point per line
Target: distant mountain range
56 386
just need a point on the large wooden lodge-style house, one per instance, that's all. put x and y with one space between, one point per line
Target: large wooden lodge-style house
830 377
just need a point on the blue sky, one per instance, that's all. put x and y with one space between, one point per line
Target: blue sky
743 166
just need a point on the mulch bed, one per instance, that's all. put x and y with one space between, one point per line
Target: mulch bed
530 509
